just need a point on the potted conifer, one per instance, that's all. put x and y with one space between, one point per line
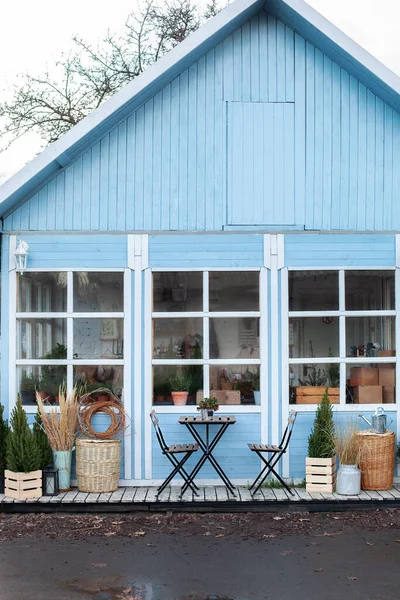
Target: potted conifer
321 459
23 476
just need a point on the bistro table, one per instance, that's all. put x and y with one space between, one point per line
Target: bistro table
208 445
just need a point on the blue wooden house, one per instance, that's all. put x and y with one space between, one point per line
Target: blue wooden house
226 223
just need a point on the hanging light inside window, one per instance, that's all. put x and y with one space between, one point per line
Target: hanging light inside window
21 256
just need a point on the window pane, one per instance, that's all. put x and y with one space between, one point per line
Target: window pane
177 292
45 379
313 290
42 338
308 382
42 292
234 291
311 337
178 338
235 384
98 338
370 290
234 338
366 336
98 292
167 380
91 377
369 383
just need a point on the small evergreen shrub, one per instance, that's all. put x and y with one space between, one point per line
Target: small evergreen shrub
22 454
42 441
321 441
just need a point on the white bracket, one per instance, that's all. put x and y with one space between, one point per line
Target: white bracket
138 251
274 250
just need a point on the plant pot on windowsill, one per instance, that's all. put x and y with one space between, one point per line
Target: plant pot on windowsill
180 386
179 398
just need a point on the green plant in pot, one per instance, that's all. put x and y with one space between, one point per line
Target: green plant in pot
207 406
53 376
256 389
180 386
28 386
321 458
23 458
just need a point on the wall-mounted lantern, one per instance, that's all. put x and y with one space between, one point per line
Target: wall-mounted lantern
21 256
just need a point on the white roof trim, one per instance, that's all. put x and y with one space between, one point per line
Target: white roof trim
347 44
194 41
55 150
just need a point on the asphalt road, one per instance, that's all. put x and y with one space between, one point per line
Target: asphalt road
353 565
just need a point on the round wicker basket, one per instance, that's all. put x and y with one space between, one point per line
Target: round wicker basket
98 464
377 460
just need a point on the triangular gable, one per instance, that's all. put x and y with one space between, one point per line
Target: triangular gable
295 13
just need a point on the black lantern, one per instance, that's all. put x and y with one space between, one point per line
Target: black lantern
50 485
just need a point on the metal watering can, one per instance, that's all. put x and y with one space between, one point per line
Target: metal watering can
379 421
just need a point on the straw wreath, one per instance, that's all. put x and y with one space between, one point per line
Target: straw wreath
113 407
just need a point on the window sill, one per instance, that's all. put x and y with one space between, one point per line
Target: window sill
223 410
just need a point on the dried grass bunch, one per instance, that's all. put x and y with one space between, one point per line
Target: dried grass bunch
61 426
348 447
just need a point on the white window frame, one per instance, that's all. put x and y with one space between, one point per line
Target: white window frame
342 360
69 315
206 362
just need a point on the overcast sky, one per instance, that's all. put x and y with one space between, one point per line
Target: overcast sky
36 32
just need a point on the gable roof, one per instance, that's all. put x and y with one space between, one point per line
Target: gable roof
297 14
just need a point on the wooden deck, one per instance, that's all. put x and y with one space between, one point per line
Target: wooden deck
211 499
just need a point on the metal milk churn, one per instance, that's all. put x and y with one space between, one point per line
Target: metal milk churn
379 421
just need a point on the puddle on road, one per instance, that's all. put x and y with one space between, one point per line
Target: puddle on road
118 588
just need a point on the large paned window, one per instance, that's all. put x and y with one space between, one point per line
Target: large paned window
70 331
206 336
342 336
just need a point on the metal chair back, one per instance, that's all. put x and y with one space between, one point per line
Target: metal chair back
289 429
157 429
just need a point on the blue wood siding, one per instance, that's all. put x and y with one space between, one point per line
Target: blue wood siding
181 161
77 251
232 451
302 429
229 250
5 308
310 250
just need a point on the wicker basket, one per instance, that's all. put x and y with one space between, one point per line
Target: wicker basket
377 460
98 464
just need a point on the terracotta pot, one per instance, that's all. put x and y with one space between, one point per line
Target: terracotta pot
179 398
158 398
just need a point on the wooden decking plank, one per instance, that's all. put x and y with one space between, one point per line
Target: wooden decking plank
201 495
7 500
303 495
92 497
129 494
268 494
374 495
105 497
245 495
280 494
174 496
222 494
69 497
117 495
141 494
395 493
165 494
151 495
44 499
80 497
58 498
209 493
364 496
293 497
386 494
316 495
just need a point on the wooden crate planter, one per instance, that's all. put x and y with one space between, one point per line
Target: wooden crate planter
309 394
321 474
23 486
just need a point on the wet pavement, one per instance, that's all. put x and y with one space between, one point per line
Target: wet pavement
347 565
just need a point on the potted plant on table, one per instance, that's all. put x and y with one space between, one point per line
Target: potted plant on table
321 459
207 406
180 386
61 427
348 450
23 476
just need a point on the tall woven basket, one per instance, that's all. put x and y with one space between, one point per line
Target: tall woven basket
98 464
377 460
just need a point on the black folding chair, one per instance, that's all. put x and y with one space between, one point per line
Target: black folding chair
274 454
170 452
